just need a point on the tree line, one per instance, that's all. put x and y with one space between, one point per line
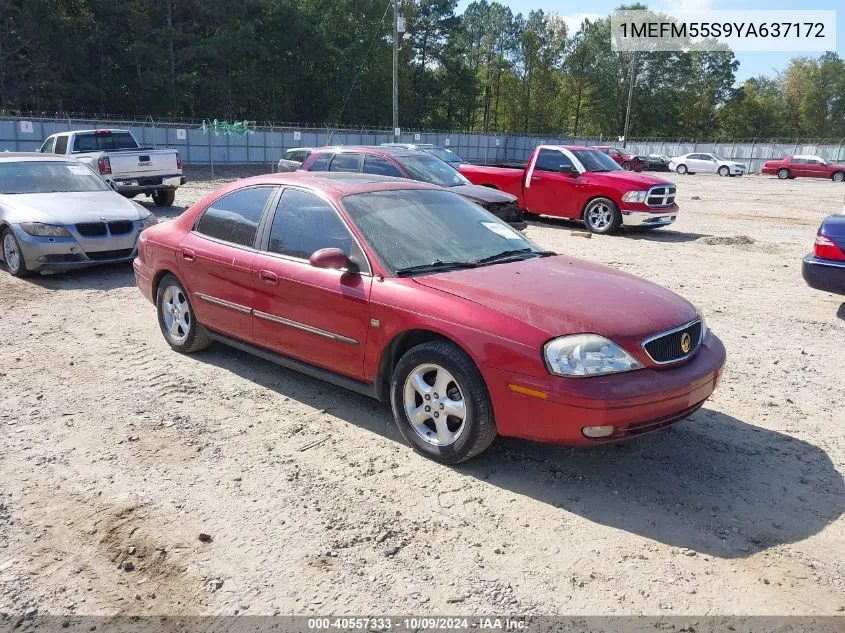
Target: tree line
329 61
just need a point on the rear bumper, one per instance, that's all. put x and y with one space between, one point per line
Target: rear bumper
633 403
824 274
144 279
148 185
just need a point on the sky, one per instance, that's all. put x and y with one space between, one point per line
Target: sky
751 64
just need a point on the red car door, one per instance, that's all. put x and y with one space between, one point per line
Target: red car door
216 259
548 190
317 315
817 169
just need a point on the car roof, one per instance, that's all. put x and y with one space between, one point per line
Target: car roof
19 157
806 156
371 149
299 149
341 183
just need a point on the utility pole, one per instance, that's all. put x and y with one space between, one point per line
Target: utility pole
630 94
395 70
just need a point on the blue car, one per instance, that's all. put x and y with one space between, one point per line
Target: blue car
824 268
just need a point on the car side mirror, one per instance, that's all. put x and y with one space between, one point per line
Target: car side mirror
332 258
569 170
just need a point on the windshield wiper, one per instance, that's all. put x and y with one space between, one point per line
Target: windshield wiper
509 254
435 266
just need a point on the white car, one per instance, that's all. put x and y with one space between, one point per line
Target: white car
707 163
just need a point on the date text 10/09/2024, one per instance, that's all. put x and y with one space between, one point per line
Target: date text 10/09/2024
416 624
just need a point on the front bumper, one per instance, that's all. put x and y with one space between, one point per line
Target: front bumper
824 274
76 251
633 403
651 217
149 185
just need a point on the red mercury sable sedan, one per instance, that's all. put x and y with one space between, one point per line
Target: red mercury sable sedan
407 292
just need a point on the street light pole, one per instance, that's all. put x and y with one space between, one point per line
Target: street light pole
630 94
395 69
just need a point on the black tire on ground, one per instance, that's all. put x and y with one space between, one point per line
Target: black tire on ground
530 216
724 171
197 336
164 197
602 216
626 165
838 176
681 169
783 173
21 270
479 428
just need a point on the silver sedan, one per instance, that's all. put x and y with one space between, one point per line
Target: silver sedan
57 214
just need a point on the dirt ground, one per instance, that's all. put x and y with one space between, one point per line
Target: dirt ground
113 448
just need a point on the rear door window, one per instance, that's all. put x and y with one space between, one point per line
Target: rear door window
380 166
61 144
235 217
346 162
321 163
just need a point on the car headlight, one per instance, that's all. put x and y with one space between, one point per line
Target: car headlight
44 230
148 221
635 196
581 355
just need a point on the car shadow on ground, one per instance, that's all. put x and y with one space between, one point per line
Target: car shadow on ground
101 277
712 483
162 213
840 313
653 235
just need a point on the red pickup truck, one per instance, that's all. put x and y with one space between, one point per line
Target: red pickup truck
582 183
807 166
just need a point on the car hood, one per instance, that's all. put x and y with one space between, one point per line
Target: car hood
69 208
624 179
482 195
564 295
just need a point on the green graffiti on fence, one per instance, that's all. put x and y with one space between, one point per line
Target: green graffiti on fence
239 128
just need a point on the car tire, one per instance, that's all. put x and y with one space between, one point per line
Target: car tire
626 165
838 176
187 335
530 216
417 375
12 255
602 216
724 171
783 174
164 197
681 169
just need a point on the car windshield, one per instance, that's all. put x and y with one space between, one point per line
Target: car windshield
35 176
428 230
594 160
430 169
443 154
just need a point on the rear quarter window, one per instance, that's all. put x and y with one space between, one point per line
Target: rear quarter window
235 217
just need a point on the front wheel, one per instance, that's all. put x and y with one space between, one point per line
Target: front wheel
681 169
176 318
724 171
602 216
626 165
12 255
783 174
441 404
164 197
838 176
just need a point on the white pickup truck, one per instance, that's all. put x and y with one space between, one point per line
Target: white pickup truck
127 167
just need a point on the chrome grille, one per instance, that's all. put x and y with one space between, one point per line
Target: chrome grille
661 196
667 347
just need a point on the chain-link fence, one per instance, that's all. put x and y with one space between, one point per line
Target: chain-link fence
222 150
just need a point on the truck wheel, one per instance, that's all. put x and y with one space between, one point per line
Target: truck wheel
164 197
838 176
602 216
724 171
783 174
681 169
626 165
441 403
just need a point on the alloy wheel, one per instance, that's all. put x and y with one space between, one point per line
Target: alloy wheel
599 217
435 405
176 314
11 255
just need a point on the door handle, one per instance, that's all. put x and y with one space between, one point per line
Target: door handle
268 277
188 255
536 178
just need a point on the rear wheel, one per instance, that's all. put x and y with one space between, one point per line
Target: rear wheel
626 165
838 176
441 404
12 255
681 169
176 318
783 174
602 216
164 197
724 171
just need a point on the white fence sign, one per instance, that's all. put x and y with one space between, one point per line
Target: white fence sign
26 127
297 136
181 135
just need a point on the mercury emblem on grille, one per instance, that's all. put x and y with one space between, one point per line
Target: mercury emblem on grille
686 343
